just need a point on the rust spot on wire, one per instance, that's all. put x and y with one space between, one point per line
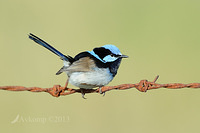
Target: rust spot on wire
142 86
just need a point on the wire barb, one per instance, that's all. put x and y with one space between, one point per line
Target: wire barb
143 86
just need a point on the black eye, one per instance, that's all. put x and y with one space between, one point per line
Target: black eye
112 55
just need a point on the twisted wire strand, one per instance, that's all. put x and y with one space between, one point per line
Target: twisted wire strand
142 86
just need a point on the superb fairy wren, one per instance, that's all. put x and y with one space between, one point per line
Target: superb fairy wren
88 69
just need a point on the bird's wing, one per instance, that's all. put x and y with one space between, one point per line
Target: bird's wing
82 65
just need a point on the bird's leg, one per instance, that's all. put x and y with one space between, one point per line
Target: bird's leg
83 93
66 84
100 91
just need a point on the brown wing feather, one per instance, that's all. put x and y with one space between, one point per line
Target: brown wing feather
82 65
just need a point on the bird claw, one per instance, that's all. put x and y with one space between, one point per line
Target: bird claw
83 94
100 91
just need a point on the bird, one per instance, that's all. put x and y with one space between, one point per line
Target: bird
88 69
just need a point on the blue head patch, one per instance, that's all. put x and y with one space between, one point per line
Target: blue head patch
115 53
112 48
106 53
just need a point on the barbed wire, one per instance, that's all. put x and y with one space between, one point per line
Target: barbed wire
143 86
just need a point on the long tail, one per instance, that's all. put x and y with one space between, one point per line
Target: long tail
49 47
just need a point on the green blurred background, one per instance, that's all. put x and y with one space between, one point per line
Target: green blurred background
161 37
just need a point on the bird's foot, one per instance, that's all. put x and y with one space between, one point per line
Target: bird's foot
100 91
83 94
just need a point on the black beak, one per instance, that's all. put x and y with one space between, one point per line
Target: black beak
124 56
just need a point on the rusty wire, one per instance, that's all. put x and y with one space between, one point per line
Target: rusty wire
142 86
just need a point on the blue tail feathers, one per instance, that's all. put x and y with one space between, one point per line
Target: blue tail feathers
49 47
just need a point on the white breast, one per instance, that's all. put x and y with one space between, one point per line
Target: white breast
96 78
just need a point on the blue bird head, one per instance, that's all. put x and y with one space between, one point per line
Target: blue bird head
107 53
